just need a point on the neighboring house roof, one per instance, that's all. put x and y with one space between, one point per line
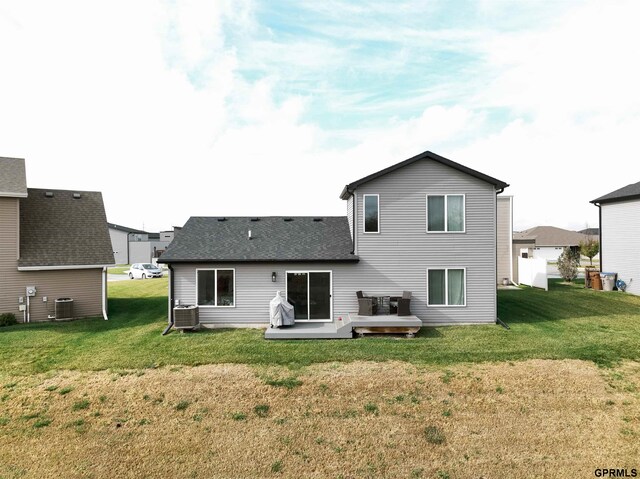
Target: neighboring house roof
273 238
13 178
114 226
629 192
550 236
63 230
427 155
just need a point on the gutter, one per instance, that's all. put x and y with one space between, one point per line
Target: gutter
104 293
63 267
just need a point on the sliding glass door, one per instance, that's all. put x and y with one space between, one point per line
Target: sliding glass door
310 294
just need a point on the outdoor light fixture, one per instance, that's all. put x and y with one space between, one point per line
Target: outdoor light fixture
274 276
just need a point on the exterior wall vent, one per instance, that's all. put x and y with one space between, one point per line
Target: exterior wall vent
48 194
317 219
255 219
288 219
222 219
77 196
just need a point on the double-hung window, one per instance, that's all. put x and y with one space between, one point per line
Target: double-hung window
371 208
445 213
446 287
216 287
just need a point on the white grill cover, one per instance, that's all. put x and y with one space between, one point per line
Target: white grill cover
281 312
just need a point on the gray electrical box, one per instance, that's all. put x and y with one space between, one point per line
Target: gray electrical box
31 291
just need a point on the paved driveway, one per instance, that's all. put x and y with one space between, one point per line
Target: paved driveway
117 277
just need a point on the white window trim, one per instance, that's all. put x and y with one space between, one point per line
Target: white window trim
464 212
446 287
364 204
215 288
286 293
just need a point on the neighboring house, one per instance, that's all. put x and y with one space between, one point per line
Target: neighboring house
546 242
426 225
506 265
136 246
619 233
53 244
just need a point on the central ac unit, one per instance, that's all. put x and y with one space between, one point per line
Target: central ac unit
186 317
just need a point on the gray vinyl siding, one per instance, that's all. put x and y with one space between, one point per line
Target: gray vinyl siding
397 258
505 238
620 244
254 289
84 286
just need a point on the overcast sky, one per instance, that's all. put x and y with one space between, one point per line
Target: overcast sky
174 109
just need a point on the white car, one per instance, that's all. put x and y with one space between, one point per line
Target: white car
144 271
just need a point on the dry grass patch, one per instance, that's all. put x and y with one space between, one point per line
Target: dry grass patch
549 418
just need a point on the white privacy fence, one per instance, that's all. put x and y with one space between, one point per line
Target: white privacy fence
533 272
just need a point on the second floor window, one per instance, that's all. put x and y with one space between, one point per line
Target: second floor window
445 213
371 213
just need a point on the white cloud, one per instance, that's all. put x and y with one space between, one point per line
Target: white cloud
124 94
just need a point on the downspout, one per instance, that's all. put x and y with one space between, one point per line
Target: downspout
171 296
600 232
353 221
104 293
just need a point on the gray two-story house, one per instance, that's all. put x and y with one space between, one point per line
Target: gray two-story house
426 225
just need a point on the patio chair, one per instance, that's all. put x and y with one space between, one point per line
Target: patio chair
366 306
404 304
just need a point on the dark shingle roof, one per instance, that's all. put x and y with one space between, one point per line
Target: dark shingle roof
273 238
427 155
550 236
13 179
62 230
629 192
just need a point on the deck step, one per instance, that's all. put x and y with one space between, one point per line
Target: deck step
310 331
343 328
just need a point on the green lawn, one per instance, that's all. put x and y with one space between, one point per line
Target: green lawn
119 269
567 322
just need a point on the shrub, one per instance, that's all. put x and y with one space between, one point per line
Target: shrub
8 319
568 264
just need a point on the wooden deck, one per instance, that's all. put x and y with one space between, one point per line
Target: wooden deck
350 323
